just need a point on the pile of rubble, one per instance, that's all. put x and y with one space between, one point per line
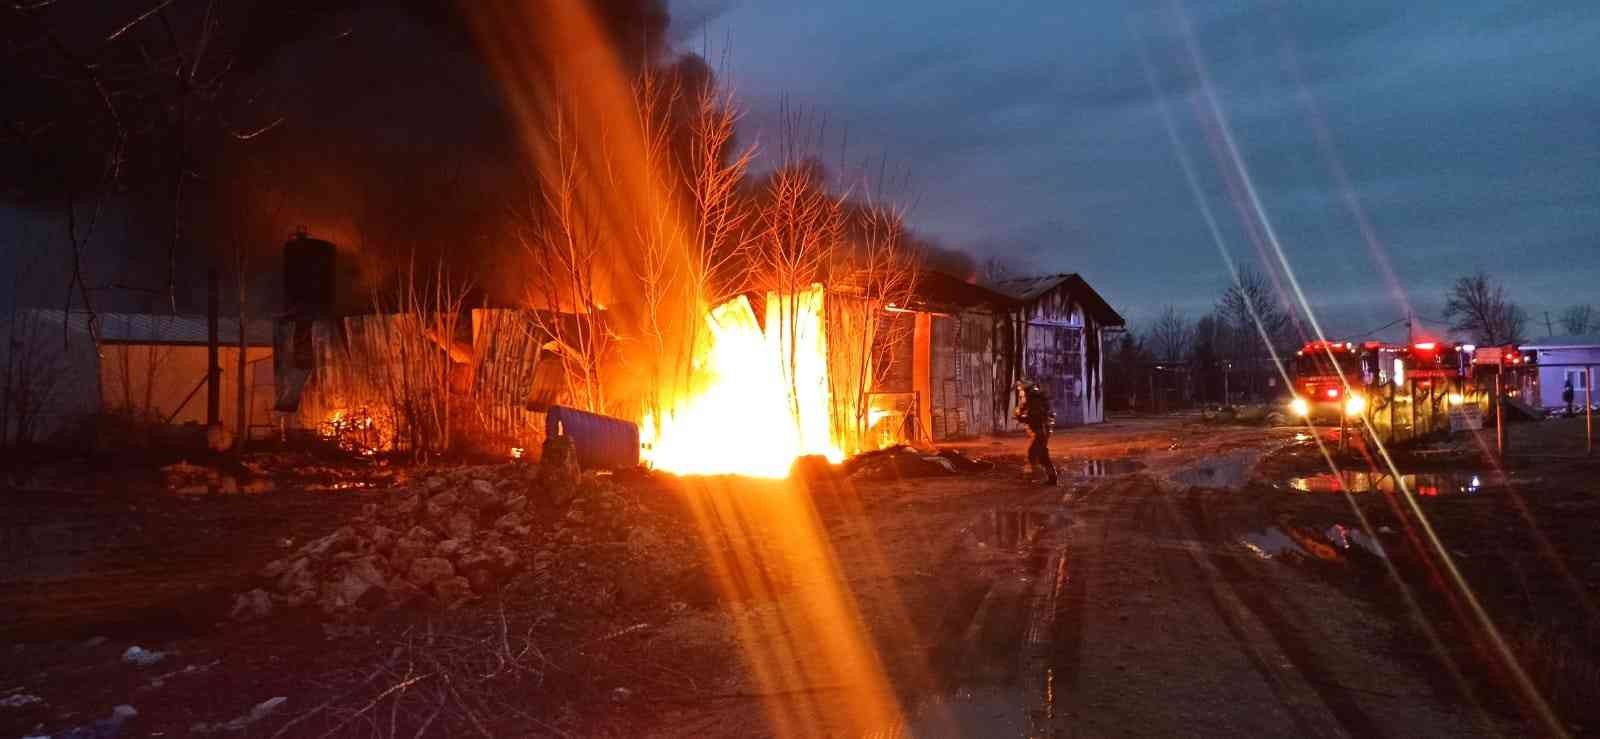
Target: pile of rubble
448 538
903 461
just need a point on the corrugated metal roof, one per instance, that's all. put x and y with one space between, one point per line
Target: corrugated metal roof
1028 289
935 289
160 328
1564 342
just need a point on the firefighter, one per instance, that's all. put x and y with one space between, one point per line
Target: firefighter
1033 411
1567 395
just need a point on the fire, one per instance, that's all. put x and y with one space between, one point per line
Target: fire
352 432
761 397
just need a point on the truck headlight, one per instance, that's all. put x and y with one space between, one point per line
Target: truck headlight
1355 405
1300 407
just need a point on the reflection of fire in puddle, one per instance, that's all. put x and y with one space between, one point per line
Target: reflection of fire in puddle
1332 544
230 485
1103 467
1429 484
1012 529
225 485
341 486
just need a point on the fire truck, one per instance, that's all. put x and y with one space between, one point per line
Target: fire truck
1329 378
1334 378
1434 363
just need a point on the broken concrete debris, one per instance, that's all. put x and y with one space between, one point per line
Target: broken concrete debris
449 538
904 461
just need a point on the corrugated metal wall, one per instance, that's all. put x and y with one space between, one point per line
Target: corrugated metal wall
963 370
1054 359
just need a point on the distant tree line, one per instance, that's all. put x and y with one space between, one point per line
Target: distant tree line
1176 361
1226 355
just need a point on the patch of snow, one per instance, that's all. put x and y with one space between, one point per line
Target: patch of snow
260 711
18 700
137 655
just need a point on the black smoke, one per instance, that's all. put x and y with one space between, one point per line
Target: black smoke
373 123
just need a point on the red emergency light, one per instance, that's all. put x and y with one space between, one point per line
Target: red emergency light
1332 346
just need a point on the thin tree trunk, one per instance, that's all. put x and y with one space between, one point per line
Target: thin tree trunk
242 401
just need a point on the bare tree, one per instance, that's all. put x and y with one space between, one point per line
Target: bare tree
1578 320
663 271
799 229
564 234
719 265
1477 305
142 102
695 249
1251 308
1171 335
877 274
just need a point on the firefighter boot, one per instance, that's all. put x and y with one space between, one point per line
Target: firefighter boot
1050 474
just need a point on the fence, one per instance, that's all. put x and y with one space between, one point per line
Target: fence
1422 407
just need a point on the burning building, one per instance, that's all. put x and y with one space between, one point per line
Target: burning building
769 377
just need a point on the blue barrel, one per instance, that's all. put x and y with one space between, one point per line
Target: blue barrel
603 442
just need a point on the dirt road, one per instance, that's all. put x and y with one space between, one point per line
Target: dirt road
1119 604
1163 589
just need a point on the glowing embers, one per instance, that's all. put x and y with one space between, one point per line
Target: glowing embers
353 431
757 399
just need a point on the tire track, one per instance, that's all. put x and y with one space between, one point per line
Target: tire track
1288 639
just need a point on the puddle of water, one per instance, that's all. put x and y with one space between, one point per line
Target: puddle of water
1226 471
1427 484
1335 543
1102 467
1012 530
1270 543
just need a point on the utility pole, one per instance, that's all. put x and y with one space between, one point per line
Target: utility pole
1410 334
1548 331
213 367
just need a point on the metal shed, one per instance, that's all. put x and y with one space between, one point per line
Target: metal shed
1055 336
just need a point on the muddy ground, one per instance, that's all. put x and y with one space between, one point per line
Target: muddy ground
1185 578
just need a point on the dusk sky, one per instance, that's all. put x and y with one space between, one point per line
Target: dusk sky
1466 131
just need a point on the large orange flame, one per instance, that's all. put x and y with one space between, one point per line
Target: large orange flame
758 399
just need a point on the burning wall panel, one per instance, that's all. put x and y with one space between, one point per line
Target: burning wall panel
757 399
407 381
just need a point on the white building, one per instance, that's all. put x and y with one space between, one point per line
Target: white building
1563 359
57 373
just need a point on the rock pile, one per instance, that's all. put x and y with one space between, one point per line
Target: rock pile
442 540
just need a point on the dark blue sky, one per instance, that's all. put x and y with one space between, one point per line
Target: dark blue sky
1469 134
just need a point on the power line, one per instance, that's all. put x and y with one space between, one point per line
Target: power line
1401 319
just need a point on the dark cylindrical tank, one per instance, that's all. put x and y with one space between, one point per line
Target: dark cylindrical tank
603 442
309 269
